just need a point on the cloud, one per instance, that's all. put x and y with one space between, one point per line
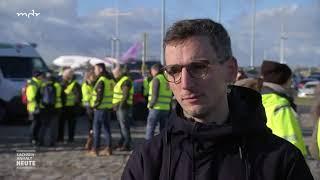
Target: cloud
301 24
113 12
59 30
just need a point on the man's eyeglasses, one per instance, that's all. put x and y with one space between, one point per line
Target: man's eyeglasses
197 70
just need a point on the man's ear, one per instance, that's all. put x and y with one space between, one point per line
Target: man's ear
232 69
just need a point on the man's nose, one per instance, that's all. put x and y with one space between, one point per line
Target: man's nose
187 82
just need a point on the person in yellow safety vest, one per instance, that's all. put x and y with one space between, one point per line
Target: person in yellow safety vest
146 81
33 104
159 101
102 104
315 114
122 102
315 141
318 138
71 100
87 94
50 114
279 106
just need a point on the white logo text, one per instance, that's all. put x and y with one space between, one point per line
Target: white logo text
32 13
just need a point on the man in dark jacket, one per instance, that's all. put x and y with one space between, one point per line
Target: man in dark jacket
218 131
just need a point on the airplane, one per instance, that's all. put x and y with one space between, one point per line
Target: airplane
76 61
132 53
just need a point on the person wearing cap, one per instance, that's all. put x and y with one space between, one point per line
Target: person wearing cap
280 109
102 105
122 103
33 104
159 101
72 100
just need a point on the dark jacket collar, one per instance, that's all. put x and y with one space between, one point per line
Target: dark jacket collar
247 117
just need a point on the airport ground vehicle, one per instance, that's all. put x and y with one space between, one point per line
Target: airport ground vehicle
17 62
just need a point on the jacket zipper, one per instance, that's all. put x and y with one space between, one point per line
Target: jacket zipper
193 155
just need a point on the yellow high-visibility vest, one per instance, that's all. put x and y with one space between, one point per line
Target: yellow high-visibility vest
318 137
33 86
106 102
58 103
165 94
87 91
70 96
118 94
145 86
282 120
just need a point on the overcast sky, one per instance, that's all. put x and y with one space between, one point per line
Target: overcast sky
85 27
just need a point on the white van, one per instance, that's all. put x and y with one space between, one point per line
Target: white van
17 62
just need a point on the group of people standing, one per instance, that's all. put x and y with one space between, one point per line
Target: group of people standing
102 94
51 103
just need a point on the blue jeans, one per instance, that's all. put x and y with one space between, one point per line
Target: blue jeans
154 117
101 118
124 122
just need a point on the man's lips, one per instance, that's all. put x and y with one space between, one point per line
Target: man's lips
191 97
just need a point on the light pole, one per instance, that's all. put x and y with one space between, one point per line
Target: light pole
144 52
116 38
282 49
219 11
253 29
112 47
163 25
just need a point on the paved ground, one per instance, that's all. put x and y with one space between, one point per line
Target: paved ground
69 161
65 161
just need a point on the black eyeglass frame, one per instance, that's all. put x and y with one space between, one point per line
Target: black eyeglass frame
205 62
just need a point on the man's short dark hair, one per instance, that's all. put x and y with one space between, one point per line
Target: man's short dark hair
217 34
124 69
275 72
157 67
37 73
102 66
